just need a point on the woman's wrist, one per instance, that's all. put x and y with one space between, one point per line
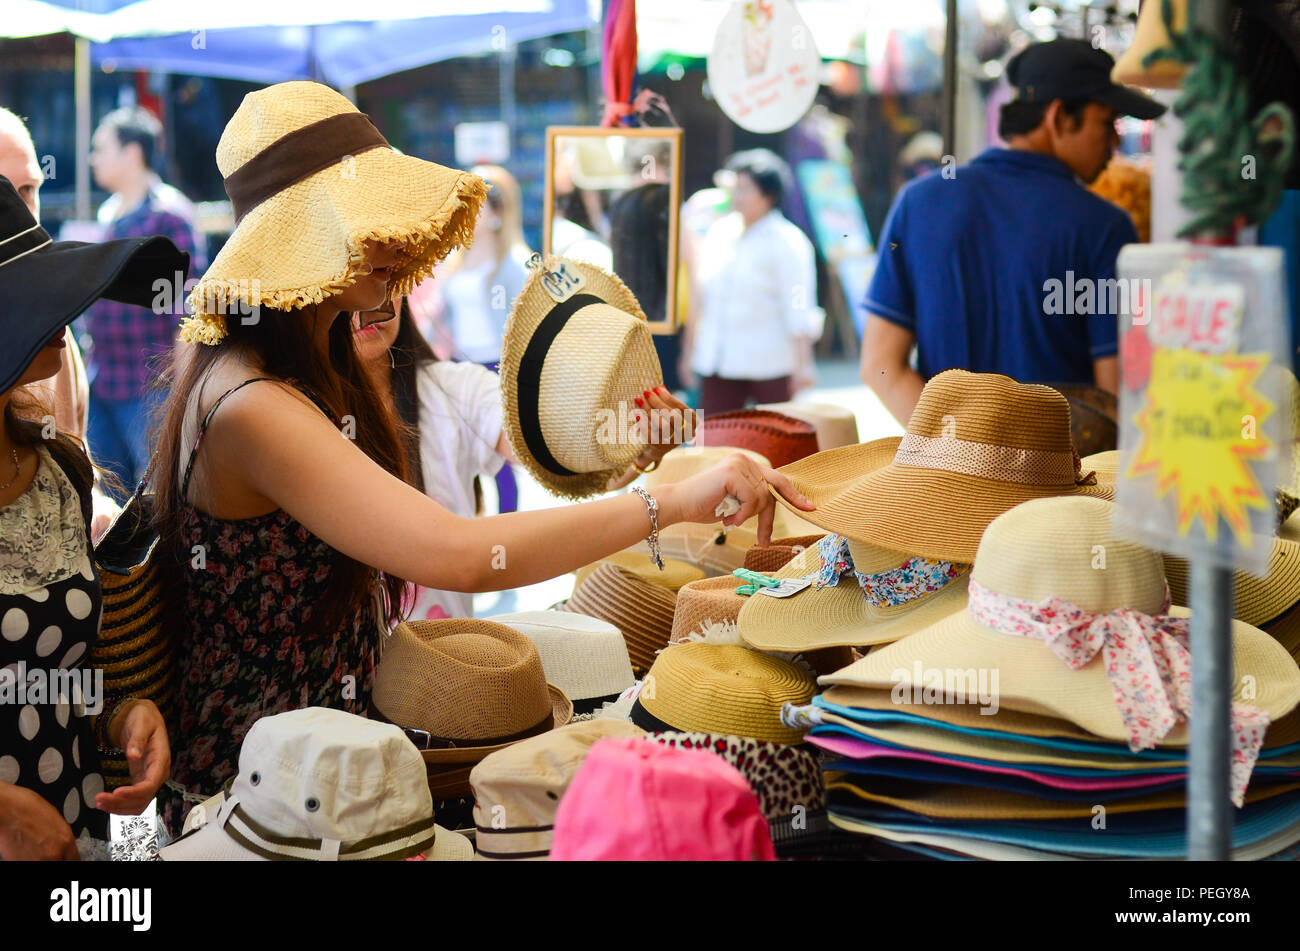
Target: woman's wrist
669 512
112 732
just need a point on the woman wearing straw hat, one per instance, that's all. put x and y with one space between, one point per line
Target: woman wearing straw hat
53 717
275 530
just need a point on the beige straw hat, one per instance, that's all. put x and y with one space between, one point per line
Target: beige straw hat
1267 602
716 688
767 559
517 789
836 425
976 445
583 656
711 548
675 573
311 181
1050 548
840 615
577 354
463 688
642 611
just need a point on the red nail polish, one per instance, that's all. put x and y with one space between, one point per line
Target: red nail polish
637 400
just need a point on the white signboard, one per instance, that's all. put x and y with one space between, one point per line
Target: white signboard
482 143
764 67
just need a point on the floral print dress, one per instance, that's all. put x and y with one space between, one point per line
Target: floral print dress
244 652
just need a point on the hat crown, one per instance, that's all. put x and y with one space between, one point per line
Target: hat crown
270 114
461 679
993 409
326 774
1062 547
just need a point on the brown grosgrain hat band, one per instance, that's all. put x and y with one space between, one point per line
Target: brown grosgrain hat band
299 155
1002 463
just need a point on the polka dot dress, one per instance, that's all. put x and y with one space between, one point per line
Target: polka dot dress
50 607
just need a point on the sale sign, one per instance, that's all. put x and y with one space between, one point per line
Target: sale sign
764 68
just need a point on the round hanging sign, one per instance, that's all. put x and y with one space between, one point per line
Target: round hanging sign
763 70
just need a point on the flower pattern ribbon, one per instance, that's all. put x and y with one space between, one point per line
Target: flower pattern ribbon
914 578
1147 662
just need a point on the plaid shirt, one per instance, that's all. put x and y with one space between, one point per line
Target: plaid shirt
129 345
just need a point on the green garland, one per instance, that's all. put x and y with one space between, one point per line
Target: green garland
1219 136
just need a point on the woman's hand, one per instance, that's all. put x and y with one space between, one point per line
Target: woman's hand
138 729
31 830
664 423
696 498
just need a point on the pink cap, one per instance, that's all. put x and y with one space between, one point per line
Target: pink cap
632 800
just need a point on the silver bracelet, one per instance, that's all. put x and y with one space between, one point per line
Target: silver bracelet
652 507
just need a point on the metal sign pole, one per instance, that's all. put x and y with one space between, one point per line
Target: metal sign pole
1209 810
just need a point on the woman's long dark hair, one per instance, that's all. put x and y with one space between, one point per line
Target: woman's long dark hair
25 421
409 352
282 343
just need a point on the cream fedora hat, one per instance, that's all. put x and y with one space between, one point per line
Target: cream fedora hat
836 425
583 656
311 180
577 354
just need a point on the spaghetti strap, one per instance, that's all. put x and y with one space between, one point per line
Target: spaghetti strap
203 427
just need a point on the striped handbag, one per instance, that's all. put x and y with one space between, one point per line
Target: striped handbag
134 649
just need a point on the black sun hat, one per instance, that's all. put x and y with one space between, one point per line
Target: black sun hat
45 284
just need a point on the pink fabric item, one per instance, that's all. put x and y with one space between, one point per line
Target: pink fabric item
865 749
1147 660
633 800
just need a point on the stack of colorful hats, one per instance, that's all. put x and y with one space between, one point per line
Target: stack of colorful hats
1049 718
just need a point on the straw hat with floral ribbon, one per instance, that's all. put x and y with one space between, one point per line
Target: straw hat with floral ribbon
311 180
642 611
976 445
577 354
707 612
1271 602
721 688
1085 640
463 688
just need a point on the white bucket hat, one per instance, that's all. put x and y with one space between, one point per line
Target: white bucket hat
583 656
321 785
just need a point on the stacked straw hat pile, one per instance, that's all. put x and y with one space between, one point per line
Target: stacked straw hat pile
975 737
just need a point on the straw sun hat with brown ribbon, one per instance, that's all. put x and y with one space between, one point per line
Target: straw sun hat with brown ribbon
463 688
977 444
577 354
311 180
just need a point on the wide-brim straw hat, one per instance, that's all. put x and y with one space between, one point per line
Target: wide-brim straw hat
472 686
1045 549
1269 601
583 656
674 574
311 181
517 789
836 425
576 356
976 445
840 615
714 688
642 611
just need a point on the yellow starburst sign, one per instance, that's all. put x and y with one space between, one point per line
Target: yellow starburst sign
1200 429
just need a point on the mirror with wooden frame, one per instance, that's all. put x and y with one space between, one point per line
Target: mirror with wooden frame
612 199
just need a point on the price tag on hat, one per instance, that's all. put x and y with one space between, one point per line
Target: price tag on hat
786 588
562 282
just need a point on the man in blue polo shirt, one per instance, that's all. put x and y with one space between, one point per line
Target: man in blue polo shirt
969 255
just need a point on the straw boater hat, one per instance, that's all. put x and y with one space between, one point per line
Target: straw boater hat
717 688
517 789
1043 554
583 656
577 354
463 688
311 180
976 445
642 611
319 785
836 425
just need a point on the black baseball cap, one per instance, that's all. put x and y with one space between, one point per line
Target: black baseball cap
1075 69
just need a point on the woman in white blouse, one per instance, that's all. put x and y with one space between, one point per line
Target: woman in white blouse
755 316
